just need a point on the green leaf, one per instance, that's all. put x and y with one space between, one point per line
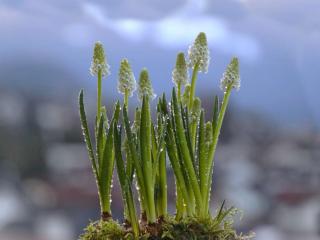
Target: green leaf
100 141
105 116
107 164
172 153
86 134
134 154
129 161
223 213
146 157
145 138
185 151
124 181
119 159
202 155
186 126
157 149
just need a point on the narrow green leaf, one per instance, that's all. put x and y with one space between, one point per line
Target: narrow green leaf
172 153
190 139
146 157
202 155
157 149
161 132
129 161
220 210
105 116
107 164
86 134
177 168
134 154
224 214
154 151
185 151
118 157
100 141
145 137
209 165
125 182
191 204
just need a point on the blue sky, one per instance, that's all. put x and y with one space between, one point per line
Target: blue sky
46 46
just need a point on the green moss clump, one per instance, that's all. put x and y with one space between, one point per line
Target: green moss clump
218 228
103 230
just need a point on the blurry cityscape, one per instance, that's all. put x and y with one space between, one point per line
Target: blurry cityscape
268 159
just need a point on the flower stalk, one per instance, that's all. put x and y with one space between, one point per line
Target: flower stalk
99 68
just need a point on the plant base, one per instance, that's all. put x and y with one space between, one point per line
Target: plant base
165 228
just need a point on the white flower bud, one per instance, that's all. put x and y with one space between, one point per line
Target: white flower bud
145 87
127 81
231 75
186 95
99 61
199 53
180 73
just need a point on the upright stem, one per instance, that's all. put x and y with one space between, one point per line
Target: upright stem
211 154
179 91
179 203
192 202
193 85
126 97
99 94
163 183
221 115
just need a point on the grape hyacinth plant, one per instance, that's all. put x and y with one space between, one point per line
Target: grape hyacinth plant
141 151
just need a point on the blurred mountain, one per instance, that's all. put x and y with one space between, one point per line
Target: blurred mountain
46 46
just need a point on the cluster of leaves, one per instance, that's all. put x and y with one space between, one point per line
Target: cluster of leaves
141 148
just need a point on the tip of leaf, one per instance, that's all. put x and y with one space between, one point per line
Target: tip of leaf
81 96
174 95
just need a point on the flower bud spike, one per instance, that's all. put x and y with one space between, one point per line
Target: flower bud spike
99 68
196 108
145 87
198 60
180 74
99 62
199 54
231 76
127 82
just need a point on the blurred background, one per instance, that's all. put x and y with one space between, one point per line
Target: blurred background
268 160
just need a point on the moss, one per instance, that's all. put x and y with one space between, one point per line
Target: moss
218 228
103 230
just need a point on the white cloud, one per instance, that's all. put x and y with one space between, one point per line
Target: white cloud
77 34
179 29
